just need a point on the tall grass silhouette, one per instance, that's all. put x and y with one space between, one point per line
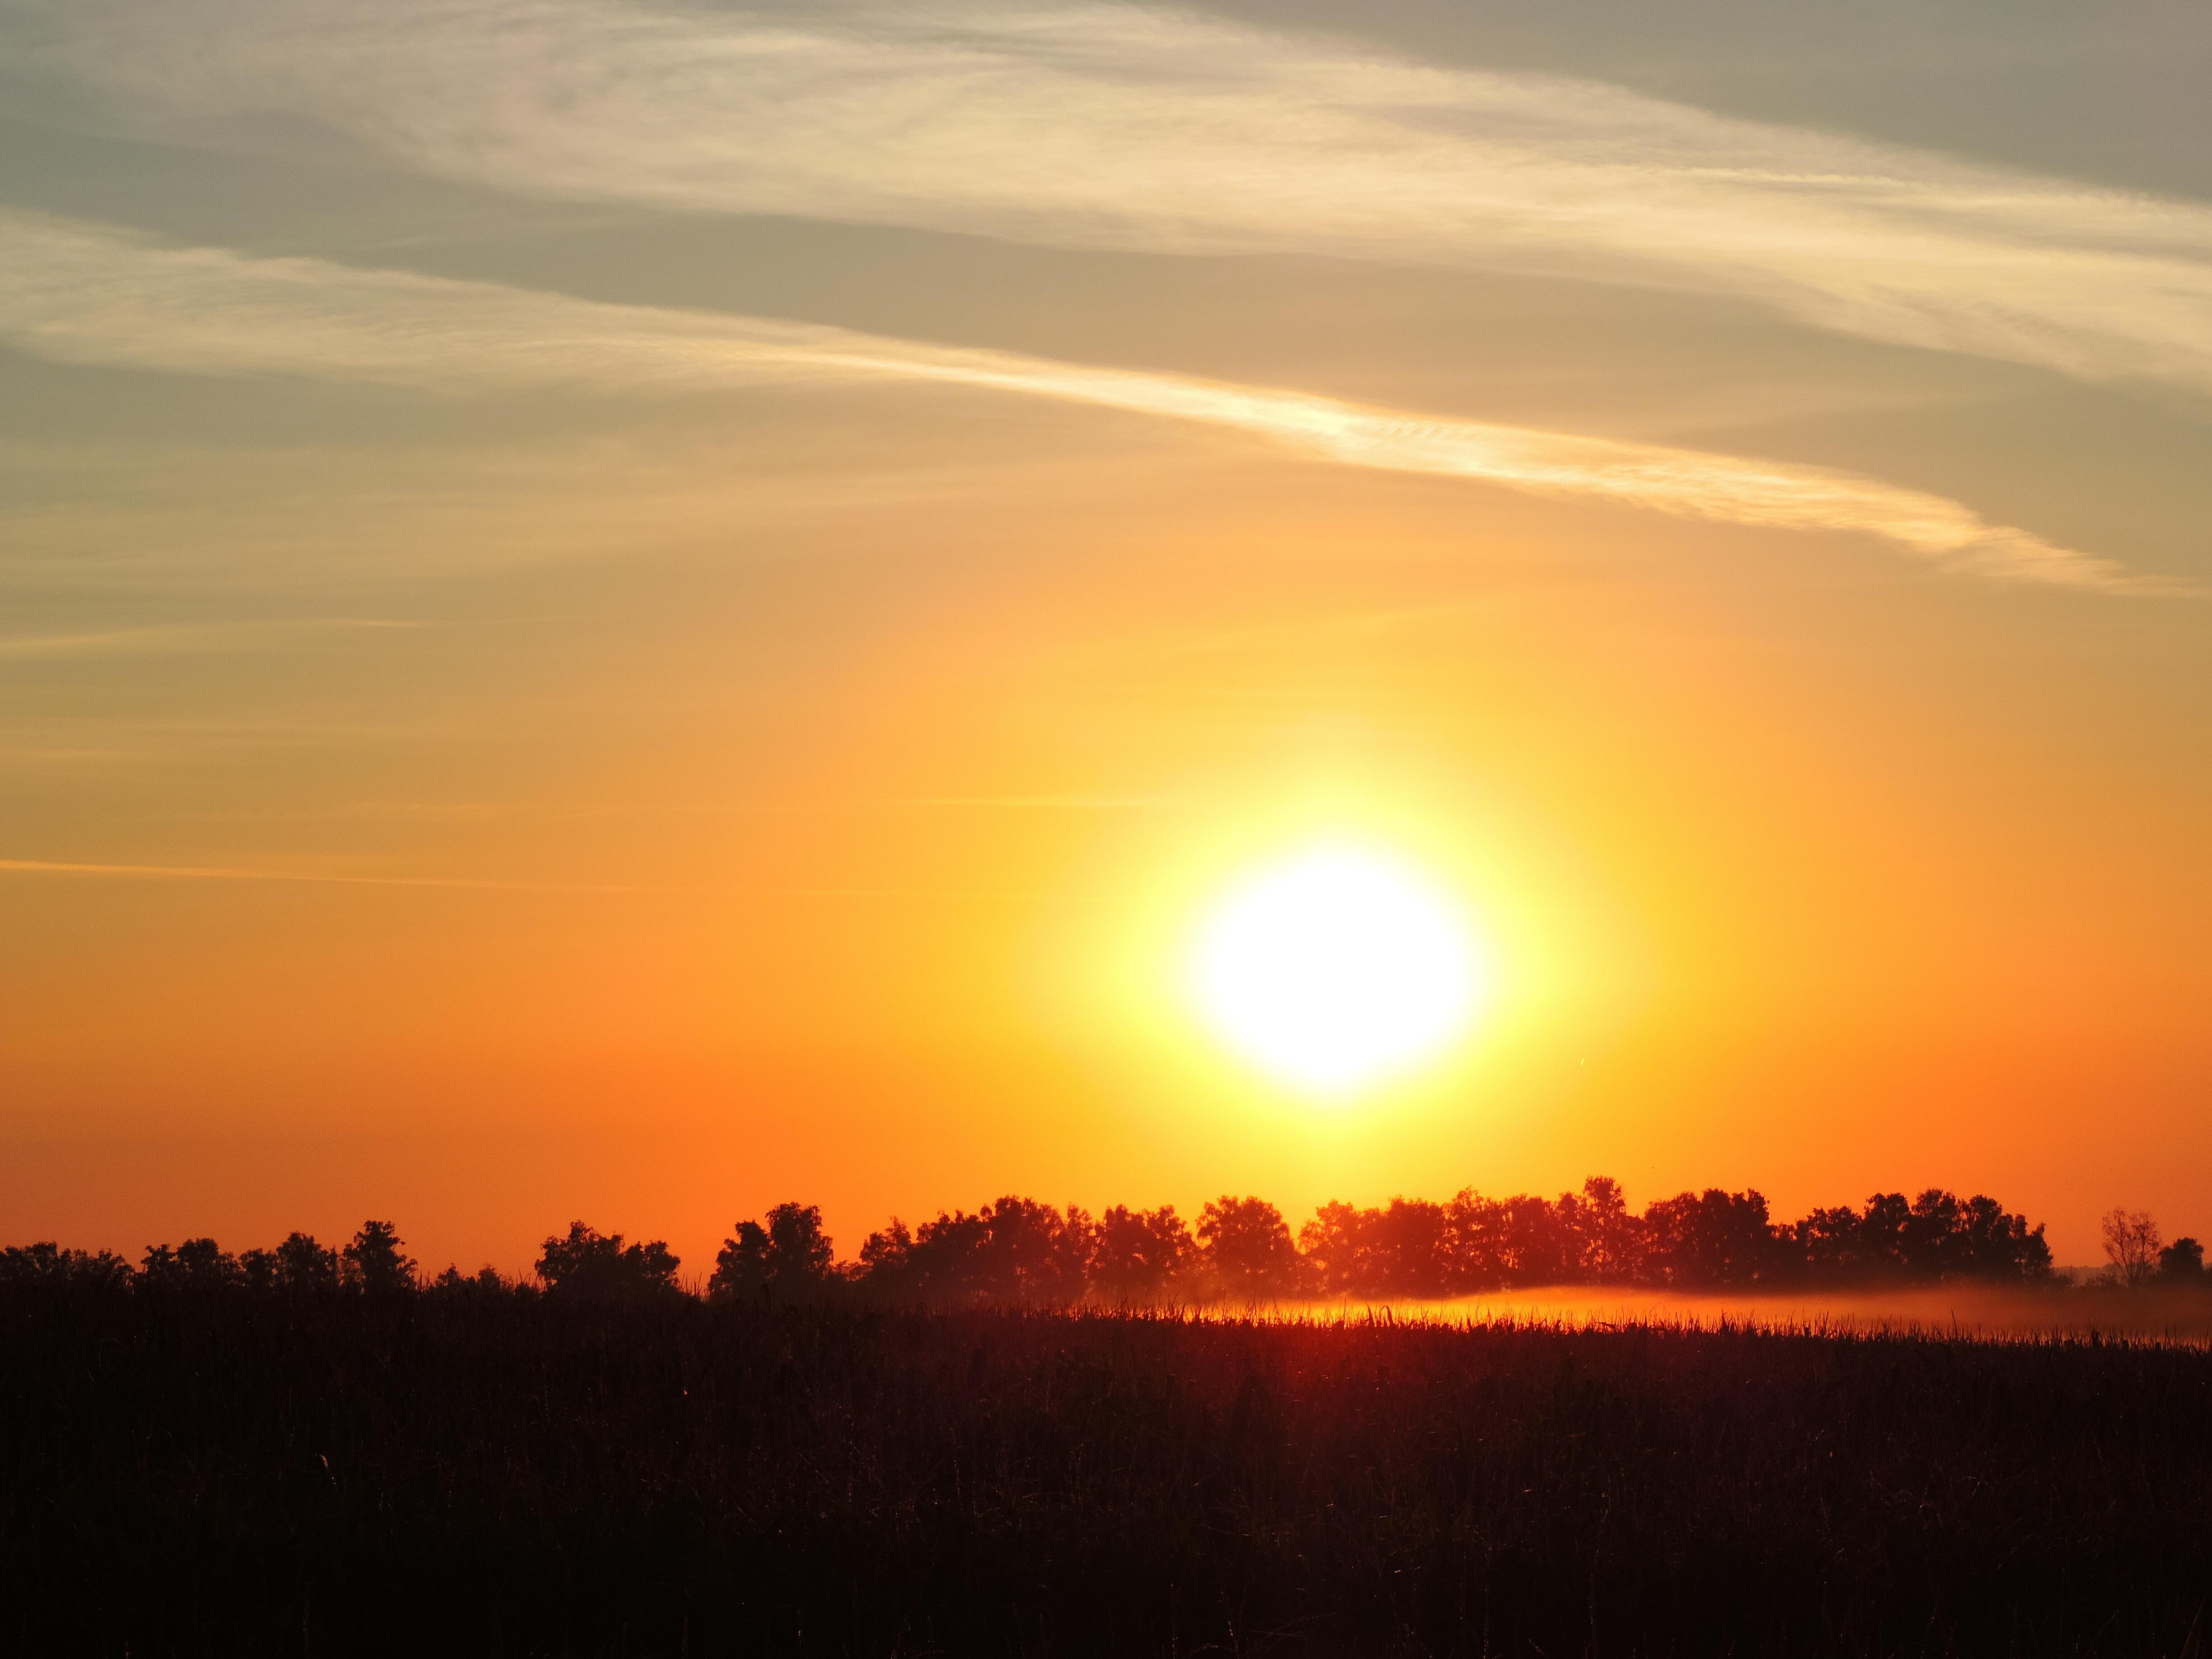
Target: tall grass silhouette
484 1468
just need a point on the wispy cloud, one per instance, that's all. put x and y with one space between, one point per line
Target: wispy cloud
1101 126
1061 803
62 867
228 873
87 294
180 637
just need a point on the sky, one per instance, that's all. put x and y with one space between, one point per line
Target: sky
635 611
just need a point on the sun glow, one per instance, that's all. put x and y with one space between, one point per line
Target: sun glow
1337 968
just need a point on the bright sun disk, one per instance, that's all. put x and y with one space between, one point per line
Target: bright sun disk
1337 967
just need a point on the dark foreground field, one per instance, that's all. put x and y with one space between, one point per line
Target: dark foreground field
503 1474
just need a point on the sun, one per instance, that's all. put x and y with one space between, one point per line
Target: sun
1336 968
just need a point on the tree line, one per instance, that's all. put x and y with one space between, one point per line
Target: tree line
1020 1251
1017 1249
375 1261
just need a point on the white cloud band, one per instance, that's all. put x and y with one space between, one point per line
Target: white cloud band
1093 126
87 294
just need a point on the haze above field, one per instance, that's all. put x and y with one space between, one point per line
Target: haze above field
638 611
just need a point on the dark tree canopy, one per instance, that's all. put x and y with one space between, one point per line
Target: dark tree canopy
590 1264
790 1259
1246 1246
1013 1250
1017 1251
1138 1254
373 1260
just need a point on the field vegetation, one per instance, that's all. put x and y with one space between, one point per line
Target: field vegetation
485 1468
1027 1431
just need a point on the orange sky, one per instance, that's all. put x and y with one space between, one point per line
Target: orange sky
488 740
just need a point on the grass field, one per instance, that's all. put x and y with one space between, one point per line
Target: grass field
494 1473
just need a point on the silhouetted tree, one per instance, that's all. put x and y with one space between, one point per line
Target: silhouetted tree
1521 1240
1608 1239
592 1265
300 1264
1336 1244
944 1263
799 1251
1933 1243
1830 1244
740 1265
1018 1251
1881 1247
198 1264
790 1258
1484 1243
2131 1245
258 1267
373 1260
48 1264
1935 1236
1137 1255
1474 1246
2182 1261
1714 1238
1535 1248
1247 1250
1995 1245
886 1263
1033 1254
1709 1238
1014 1250
1406 1249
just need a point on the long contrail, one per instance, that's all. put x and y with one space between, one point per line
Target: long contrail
89 293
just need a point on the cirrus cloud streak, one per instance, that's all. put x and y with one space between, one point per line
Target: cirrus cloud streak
87 294
1116 127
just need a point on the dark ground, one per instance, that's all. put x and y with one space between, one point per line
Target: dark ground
499 1474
